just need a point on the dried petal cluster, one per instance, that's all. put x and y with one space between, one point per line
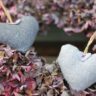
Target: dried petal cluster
27 74
73 16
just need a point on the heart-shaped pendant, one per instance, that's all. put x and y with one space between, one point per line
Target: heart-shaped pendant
20 35
78 69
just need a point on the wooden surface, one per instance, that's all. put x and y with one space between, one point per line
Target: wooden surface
50 44
57 35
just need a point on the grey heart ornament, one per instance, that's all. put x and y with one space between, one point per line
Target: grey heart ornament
78 69
20 35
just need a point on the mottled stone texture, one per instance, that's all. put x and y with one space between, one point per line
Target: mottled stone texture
21 35
78 69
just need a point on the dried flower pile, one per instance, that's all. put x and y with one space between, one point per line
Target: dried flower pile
29 75
70 15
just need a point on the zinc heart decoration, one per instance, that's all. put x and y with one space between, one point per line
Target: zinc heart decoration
78 69
20 35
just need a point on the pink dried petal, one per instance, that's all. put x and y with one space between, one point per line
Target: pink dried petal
8 73
22 87
13 10
16 76
12 84
74 30
26 68
1 13
57 81
9 51
59 2
94 48
89 34
2 61
60 24
7 91
3 69
14 67
17 94
87 24
1 88
68 29
55 18
17 90
39 4
47 18
22 77
31 84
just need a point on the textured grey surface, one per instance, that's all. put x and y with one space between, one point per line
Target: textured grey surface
21 35
78 69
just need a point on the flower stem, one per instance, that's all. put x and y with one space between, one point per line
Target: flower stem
6 12
90 42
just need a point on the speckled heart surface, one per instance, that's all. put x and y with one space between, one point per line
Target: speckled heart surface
78 69
21 35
